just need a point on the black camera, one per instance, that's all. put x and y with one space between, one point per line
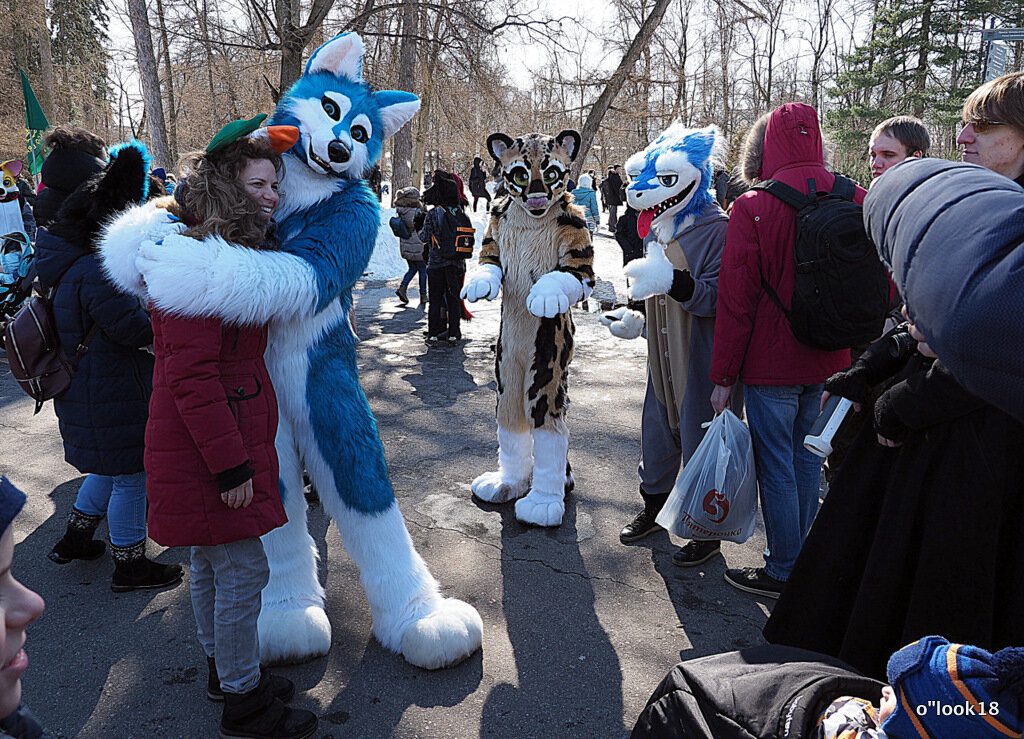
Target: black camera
900 343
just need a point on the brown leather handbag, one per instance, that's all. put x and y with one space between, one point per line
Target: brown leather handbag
34 351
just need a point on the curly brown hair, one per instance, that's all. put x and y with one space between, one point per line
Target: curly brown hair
214 195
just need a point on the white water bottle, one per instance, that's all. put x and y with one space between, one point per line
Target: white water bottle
825 427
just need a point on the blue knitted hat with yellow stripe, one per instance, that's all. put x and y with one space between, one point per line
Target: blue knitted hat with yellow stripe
955 691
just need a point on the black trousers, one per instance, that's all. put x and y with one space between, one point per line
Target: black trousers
443 287
476 199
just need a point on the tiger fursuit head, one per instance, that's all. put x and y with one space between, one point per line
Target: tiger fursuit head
327 221
537 251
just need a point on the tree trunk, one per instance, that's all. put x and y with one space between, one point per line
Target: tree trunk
426 98
150 83
45 67
921 74
172 110
618 78
295 37
401 165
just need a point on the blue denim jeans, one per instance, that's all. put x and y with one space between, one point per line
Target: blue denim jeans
415 268
789 476
122 499
226 582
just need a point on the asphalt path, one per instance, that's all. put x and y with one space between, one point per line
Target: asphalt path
578 629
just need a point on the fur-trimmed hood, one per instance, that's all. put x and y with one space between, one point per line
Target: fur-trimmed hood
121 238
788 136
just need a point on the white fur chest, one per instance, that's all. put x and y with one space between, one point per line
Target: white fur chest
288 354
529 248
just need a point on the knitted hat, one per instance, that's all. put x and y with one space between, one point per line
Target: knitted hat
11 501
955 691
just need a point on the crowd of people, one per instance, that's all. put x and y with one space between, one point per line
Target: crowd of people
174 446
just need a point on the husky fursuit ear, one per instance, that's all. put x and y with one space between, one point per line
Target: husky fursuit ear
341 56
396 108
570 141
498 144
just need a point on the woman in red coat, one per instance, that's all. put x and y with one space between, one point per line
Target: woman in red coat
211 466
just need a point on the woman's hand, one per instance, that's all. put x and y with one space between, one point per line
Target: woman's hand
888 442
239 497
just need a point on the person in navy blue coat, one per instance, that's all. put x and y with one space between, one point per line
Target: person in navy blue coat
103 414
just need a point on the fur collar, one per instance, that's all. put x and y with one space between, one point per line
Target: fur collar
120 239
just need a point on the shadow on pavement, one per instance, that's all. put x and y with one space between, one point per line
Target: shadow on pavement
560 654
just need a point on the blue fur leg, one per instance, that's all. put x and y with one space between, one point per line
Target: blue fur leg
345 430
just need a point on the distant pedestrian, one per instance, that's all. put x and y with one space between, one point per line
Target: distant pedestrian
478 183
613 195
627 236
410 209
585 197
445 272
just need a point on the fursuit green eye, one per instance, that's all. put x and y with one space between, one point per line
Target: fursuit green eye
668 180
330 108
359 134
521 177
551 177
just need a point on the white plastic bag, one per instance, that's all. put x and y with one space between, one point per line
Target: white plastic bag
715 497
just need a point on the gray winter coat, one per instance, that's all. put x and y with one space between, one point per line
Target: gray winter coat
407 204
679 335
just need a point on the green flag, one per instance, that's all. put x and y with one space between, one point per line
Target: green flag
35 124
34 116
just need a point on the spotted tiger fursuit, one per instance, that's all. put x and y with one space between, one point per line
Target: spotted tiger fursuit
537 253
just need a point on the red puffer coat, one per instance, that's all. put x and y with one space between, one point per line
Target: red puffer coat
213 410
753 341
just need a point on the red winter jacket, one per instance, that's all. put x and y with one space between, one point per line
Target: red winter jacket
213 410
753 341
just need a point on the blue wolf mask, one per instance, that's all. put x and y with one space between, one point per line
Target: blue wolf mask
342 122
671 179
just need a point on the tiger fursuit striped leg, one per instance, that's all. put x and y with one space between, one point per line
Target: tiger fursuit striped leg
544 405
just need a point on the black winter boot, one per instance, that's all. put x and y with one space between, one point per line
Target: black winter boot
77 542
134 571
259 715
281 687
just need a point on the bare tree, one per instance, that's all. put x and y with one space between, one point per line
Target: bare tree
618 78
150 82
402 163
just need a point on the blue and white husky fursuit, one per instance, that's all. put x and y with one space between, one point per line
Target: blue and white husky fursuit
328 221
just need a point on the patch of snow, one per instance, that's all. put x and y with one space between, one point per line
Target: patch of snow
386 262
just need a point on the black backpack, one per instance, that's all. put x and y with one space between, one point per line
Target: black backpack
841 289
455 236
398 227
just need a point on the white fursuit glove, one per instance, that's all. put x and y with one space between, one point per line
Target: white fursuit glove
553 293
624 322
651 275
231 282
484 284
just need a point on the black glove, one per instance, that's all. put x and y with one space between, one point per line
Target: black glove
851 383
418 220
887 421
683 285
